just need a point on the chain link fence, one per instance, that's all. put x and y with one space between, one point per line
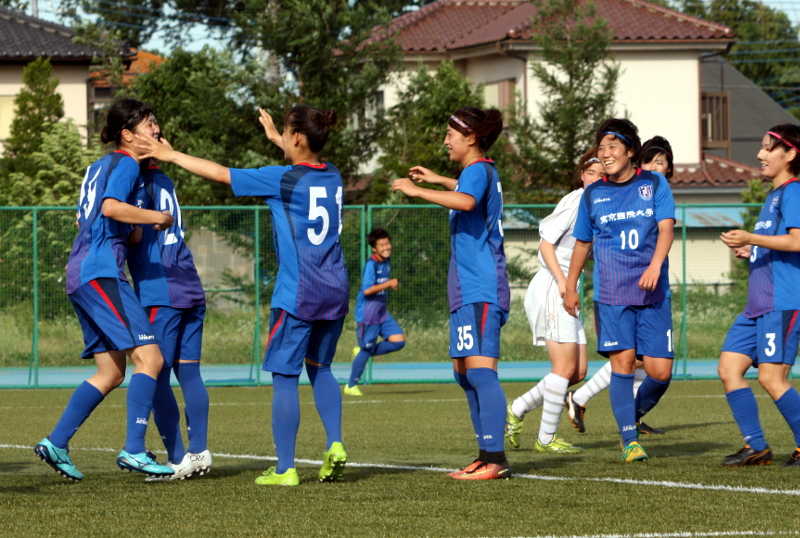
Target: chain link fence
41 340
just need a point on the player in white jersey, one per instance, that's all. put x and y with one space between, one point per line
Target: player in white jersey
551 325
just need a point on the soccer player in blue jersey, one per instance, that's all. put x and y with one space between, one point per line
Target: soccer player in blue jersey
113 322
551 325
628 220
168 286
371 315
310 300
656 156
766 334
477 283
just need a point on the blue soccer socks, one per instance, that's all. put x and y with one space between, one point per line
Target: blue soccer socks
474 408
195 396
649 393
745 412
789 406
285 418
328 399
492 406
620 393
83 401
386 346
168 417
359 362
141 390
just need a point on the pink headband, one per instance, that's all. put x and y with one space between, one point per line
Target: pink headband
779 137
461 123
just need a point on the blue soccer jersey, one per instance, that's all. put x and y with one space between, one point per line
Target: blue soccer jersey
101 247
371 309
774 274
622 220
477 271
161 264
306 206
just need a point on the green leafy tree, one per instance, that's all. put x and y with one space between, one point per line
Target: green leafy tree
36 108
578 83
418 123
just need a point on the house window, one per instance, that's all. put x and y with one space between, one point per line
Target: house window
6 115
500 95
716 120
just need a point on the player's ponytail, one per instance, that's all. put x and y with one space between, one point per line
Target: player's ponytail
658 145
787 136
486 125
124 114
625 131
315 124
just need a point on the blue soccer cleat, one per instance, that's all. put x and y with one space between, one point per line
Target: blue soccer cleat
143 463
58 459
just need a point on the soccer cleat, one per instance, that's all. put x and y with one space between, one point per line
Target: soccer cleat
513 427
352 391
333 463
633 452
183 470
144 462
748 456
575 412
468 469
794 460
487 471
644 429
58 459
557 446
271 478
201 461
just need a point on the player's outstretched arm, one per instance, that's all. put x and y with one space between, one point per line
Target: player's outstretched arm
377 288
666 235
572 302
269 128
447 199
122 212
420 174
200 167
739 238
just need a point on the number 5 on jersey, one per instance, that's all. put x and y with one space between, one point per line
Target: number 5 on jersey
316 212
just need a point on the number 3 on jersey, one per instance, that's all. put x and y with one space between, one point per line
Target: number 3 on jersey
465 340
316 212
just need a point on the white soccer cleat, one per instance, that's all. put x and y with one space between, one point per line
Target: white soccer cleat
183 470
201 461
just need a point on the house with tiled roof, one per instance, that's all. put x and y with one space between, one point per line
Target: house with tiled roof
661 86
22 40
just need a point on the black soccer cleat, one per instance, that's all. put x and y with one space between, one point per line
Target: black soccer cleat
748 456
575 412
644 429
794 460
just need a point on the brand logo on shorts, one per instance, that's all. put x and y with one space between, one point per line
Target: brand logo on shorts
146 337
645 192
609 343
369 344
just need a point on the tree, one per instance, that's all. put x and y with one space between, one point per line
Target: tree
37 107
579 82
418 123
334 60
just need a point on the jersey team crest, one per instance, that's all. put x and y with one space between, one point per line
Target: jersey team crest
646 192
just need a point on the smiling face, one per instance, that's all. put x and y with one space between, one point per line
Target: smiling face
775 161
458 145
382 249
595 172
658 164
616 157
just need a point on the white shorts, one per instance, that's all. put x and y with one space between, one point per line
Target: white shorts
547 317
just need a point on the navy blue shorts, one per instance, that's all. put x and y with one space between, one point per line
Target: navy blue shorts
291 340
368 334
645 328
771 338
475 330
111 317
179 332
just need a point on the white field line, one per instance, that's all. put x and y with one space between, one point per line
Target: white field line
625 481
711 534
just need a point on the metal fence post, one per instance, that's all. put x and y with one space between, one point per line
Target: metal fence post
34 361
257 291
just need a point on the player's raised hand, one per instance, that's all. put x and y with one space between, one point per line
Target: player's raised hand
736 238
270 130
572 302
406 186
421 174
154 149
166 221
743 252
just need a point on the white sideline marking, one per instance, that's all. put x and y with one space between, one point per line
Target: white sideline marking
677 534
626 481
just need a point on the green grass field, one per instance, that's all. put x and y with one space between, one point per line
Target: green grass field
401 439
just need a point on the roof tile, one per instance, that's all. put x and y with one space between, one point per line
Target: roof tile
714 171
24 38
